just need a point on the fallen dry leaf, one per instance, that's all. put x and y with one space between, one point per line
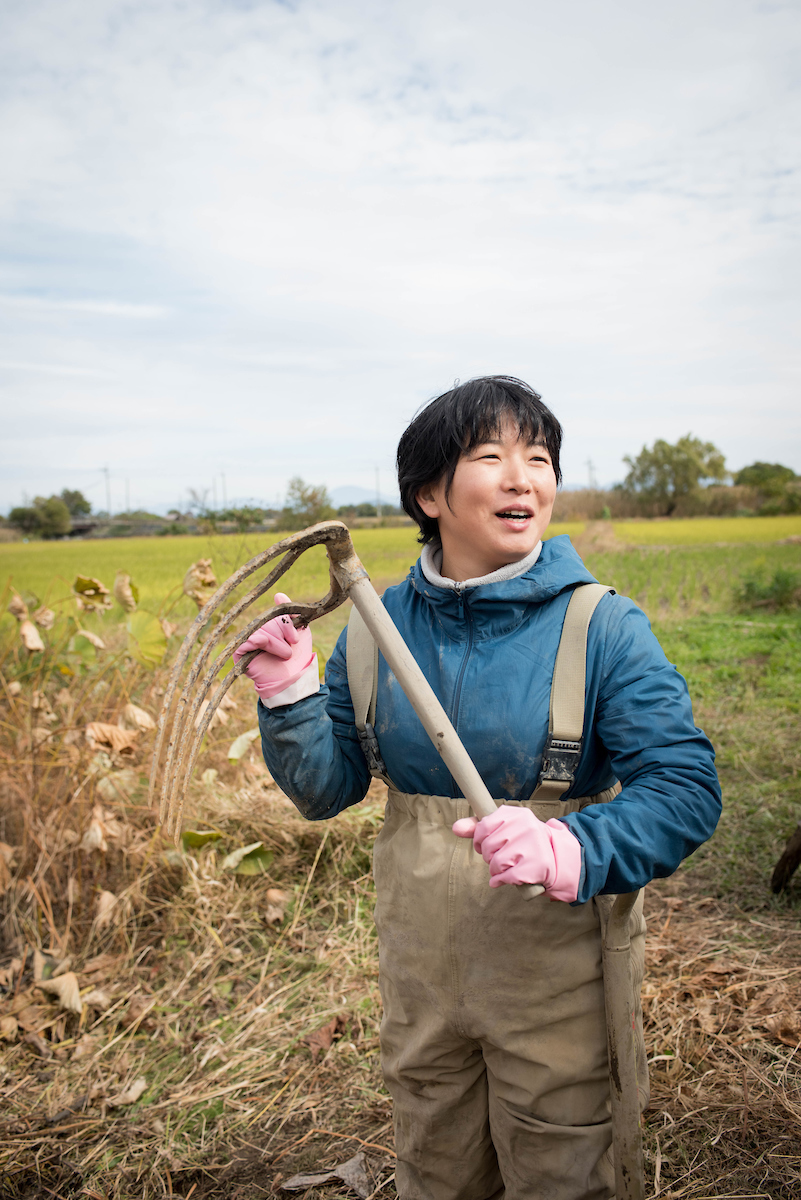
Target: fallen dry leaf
31 639
33 1017
44 965
359 1173
168 627
130 1095
119 741
106 903
9 973
9 1028
322 1039
97 998
276 905
133 717
101 966
136 1013
14 688
95 836
786 1027
84 1047
37 1043
65 989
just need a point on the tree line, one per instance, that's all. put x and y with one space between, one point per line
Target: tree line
684 478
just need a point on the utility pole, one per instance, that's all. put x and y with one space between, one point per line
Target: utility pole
108 491
214 491
377 492
225 497
591 477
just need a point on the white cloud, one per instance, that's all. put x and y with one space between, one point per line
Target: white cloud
305 220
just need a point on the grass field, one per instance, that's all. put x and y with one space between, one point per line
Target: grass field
697 531
248 1006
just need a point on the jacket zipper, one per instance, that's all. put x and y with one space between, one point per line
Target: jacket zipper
457 695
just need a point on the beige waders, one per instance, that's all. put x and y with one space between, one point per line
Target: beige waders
493 1038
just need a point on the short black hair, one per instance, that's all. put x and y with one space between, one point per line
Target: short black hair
458 420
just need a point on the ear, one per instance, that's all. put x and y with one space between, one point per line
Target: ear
428 500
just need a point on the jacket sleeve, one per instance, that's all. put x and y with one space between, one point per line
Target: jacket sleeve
670 800
312 749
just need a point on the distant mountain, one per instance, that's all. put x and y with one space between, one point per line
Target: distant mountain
348 494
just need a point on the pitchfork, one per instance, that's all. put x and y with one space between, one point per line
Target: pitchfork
189 723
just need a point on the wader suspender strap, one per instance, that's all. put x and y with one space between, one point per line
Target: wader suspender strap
566 719
361 659
562 752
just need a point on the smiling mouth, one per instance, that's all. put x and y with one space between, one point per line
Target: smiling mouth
515 514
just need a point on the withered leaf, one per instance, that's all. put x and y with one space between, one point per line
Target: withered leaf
101 966
105 904
276 906
200 582
65 989
96 641
127 593
786 1028
31 638
119 741
37 1043
45 618
133 717
322 1039
97 998
90 594
359 1173
33 1017
17 607
136 1013
84 1047
9 1028
131 1094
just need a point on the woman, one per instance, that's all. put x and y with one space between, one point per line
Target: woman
493 1036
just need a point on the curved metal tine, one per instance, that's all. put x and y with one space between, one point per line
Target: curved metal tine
177 798
199 623
189 711
325 532
180 715
185 765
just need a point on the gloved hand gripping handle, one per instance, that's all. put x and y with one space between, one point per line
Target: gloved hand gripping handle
352 578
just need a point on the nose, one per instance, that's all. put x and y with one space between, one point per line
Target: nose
516 477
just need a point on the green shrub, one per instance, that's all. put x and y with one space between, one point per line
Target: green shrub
781 590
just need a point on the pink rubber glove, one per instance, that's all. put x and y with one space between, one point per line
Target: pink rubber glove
287 653
522 849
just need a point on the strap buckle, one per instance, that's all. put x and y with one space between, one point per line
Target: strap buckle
560 760
369 744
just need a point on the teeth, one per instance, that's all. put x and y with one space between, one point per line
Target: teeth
513 512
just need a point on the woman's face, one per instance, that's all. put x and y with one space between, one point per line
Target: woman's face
499 505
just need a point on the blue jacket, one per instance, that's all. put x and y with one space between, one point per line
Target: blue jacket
489 654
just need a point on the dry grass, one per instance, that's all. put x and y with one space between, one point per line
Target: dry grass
252 1017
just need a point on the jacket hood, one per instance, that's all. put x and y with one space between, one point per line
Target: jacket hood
500 606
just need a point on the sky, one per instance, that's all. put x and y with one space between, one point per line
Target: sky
243 240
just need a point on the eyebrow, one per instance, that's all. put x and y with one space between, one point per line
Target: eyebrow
540 442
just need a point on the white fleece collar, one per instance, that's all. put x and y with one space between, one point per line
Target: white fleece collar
431 561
